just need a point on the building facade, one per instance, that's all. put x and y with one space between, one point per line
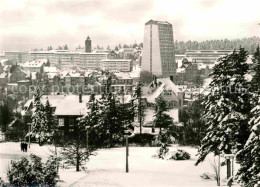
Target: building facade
158 52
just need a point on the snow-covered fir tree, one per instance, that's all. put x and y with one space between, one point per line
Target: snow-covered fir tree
51 120
227 107
39 127
162 120
106 119
75 151
139 107
91 121
111 122
249 157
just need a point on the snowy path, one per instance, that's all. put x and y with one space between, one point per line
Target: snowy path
108 168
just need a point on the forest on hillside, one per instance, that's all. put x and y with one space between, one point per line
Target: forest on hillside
249 44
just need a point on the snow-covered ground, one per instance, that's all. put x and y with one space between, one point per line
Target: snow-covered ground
107 168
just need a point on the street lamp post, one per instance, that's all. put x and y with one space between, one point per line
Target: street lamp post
127 167
87 138
29 134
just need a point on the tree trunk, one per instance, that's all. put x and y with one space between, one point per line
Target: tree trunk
77 164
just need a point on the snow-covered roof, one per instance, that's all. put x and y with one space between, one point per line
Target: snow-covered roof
164 84
180 70
52 75
35 63
70 105
205 87
53 100
169 85
115 60
151 97
126 50
33 75
122 75
3 61
248 77
3 75
201 66
135 73
50 69
249 59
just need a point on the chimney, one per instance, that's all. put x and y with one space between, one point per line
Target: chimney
80 98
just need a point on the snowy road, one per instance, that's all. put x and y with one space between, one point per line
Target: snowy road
108 168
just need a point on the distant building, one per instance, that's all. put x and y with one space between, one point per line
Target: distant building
17 75
3 79
101 51
91 60
206 56
36 55
120 81
116 64
35 65
17 56
88 47
158 52
126 52
1 68
65 58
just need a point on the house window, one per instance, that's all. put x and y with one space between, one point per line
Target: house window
61 122
71 122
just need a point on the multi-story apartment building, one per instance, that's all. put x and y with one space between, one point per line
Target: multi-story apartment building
17 56
206 56
116 64
35 55
91 60
158 52
67 58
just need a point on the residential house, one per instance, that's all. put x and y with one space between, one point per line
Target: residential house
1 68
165 88
35 65
17 75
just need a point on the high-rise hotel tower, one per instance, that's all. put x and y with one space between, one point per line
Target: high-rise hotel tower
158 52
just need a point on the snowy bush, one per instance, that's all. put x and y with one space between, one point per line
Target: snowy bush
32 172
1 182
178 155
206 176
161 153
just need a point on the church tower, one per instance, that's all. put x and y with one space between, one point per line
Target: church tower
88 48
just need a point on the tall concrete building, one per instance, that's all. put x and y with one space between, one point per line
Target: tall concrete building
88 47
158 52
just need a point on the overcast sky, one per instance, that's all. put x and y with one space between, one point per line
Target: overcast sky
27 24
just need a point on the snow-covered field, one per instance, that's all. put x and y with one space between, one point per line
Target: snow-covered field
107 168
